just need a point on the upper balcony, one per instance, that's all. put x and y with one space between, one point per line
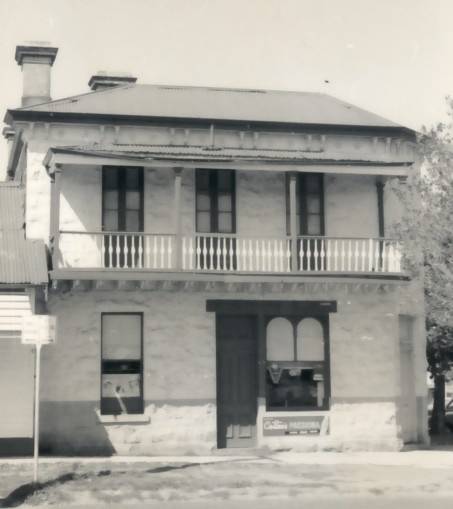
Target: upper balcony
149 222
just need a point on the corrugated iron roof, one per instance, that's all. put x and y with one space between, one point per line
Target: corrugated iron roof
21 261
12 206
206 153
214 104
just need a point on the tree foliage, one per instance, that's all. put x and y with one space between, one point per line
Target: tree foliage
426 230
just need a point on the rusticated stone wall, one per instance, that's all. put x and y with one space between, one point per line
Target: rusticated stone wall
180 375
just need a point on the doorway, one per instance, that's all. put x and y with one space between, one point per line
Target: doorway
236 381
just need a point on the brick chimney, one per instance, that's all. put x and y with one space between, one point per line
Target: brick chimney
102 80
36 60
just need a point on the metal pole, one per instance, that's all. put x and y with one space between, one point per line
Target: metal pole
36 426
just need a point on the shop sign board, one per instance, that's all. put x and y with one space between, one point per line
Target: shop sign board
293 425
38 329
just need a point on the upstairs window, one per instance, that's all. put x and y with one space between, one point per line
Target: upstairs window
215 201
297 374
122 363
122 211
122 199
309 204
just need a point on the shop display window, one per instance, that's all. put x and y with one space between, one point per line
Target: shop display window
296 367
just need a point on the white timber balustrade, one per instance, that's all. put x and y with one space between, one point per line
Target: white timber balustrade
118 250
228 253
350 255
232 253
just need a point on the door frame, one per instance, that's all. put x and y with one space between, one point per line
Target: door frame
256 341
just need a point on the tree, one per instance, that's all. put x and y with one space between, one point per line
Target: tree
426 231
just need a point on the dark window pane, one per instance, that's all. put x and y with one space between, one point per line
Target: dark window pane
313 204
224 180
203 201
110 178
293 387
225 203
121 394
132 178
132 221
314 225
202 179
133 200
110 220
111 200
225 222
312 183
203 222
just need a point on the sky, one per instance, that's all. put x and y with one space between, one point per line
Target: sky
392 57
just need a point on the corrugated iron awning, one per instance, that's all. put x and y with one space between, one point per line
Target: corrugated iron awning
22 261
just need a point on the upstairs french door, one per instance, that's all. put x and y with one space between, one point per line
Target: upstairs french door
309 218
216 214
122 211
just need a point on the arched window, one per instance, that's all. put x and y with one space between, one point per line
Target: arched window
310 340
280 340
297 375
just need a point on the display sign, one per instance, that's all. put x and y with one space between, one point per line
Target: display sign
293 425
39 329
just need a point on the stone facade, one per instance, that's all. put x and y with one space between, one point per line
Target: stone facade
180 374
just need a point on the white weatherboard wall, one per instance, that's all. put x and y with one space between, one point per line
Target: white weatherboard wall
180 374
16 368
13 306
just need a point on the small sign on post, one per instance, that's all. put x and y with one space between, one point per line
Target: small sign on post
38 330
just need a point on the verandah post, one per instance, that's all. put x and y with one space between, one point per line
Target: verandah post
293 219
177 218
55 214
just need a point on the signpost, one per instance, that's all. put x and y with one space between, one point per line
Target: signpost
37 330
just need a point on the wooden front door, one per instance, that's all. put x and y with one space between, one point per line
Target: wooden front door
236 381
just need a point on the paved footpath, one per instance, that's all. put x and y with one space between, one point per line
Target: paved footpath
416 458
301 503
320 480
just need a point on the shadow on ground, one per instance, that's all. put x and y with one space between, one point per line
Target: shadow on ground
21 494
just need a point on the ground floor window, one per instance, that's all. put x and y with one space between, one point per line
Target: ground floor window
297 372
122 363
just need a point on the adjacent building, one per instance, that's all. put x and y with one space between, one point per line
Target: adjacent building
221 269
23 286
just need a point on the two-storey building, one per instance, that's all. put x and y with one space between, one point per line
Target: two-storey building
222 274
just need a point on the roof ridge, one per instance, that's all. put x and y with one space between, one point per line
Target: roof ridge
221 88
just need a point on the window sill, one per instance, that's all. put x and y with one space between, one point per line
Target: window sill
123 418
